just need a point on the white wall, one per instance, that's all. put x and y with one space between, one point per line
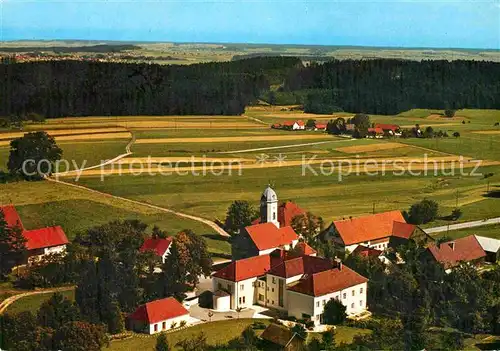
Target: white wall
54 249
164 257
354 298
243 293
168 324
273 290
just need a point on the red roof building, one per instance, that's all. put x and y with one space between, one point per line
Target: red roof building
288 123
45 238
303 249
367 228
320 126
159 315
267 236
247 268
301 265
159 246
286 212
403 230
451 253
328 282
366 251
11 216
384 126
376 130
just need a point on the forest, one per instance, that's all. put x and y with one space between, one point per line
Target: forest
380 86
82 88
386 86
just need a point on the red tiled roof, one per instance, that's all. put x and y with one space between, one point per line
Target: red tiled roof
159 246
329 281
466 249
376 130
11 216
384 126
320 125
45 237
286 211
301 265
377 226
246 268
364 251
289 123
267 235
403 230
159 310
301 123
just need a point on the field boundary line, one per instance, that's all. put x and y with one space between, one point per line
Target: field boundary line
208 222
10 300
283 146
256 120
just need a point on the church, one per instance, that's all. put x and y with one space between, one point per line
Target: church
271 231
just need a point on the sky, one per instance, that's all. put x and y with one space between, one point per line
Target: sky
417 23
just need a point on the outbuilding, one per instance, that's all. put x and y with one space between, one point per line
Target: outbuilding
491 247
159 315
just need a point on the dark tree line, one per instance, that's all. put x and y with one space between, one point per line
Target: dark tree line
76 88
388 86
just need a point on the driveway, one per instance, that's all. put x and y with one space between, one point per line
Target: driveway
202 313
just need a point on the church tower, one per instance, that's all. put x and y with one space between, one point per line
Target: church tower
269 206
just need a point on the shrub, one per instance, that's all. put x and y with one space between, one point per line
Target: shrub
449 113
423 212
173 325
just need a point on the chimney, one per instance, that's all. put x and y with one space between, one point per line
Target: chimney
452 245
350 217
337 262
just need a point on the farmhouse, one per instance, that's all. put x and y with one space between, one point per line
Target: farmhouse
392 129
159 315
319 126
372 231
298 286
451 254
39 242
403 232
491 247
376 133
294 125
161 247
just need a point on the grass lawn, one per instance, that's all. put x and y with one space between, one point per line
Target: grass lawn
33 303
216 332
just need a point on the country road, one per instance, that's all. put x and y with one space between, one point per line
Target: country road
464 225
10 300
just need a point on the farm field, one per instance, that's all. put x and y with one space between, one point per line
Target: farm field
267 156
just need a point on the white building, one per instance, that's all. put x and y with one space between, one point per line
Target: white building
269 207
45 241
159 315
298 286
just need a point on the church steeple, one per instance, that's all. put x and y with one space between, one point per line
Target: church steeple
269 206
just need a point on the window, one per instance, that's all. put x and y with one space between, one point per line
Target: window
273 302
274 280
317 303
352 305
156 327
344 296
261 297
353 293
243 299
164 325
361 290
274 216
272 289
324 302
239 300
242 287
219 286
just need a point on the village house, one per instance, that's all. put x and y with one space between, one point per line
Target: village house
402 233
391 129
299 286
319 126
294 125
39 242
491 247
450 254
372 231
269 234
161 247
376 133
159 315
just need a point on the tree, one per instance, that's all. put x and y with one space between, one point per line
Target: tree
334 312
456 134
157 233
362 123
33 155
429 132
240 214
423 212
299 330
456 214
162 343
248 338
307 225
57 311
449 112
311 124
79 336
12 246
328 339
336 126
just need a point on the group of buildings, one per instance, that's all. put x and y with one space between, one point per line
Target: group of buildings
299 125
275 268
